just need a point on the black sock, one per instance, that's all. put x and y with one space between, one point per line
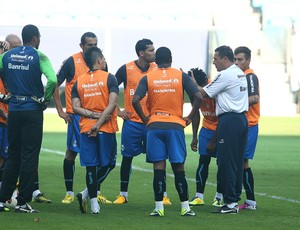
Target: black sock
181 185
69 169
125 173
36 182
91 180
248 182
219 188
165 184
202 173
159 184
102 173
1 170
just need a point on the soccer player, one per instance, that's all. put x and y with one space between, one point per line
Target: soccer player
71 69
242 60
229 88
165 138
3 132
14 41
207 140
94 98
37 195
22 69
134 132
4 46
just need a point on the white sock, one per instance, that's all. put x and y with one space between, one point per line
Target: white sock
36 192
159 205
231 205
165 194
251 202
185 205
124 194
85 192
219 195
200 195
70 193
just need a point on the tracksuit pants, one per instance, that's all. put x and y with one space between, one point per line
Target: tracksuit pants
25 132
232 134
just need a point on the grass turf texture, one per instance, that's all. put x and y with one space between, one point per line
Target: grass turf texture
275 167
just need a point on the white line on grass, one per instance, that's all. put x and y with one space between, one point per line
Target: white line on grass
190 179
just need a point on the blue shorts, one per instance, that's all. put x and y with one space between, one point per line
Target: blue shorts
98 151
3 141
252 140
164 144
205 135
73 134
133 138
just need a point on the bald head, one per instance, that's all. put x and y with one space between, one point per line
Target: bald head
13 40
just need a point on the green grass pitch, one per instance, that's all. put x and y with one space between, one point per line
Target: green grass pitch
275 168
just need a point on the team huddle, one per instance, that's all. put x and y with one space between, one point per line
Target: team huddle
153 122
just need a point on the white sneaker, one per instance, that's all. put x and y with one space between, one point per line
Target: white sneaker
95 207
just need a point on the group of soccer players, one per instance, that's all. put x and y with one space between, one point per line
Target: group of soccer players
134 130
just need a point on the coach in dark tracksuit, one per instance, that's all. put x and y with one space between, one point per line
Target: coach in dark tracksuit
22 69
230 91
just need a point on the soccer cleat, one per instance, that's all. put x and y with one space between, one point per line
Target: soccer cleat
96 212
40 198
26 208
196 201
68 199
217 202
157 213
121 200
185 212
102 199
3 208
95 207
226 210
247 206
82 202
166 201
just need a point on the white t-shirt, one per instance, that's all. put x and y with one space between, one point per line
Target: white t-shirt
230 91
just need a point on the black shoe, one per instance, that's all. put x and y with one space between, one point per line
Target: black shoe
82 202
3 207
226 210
26 208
